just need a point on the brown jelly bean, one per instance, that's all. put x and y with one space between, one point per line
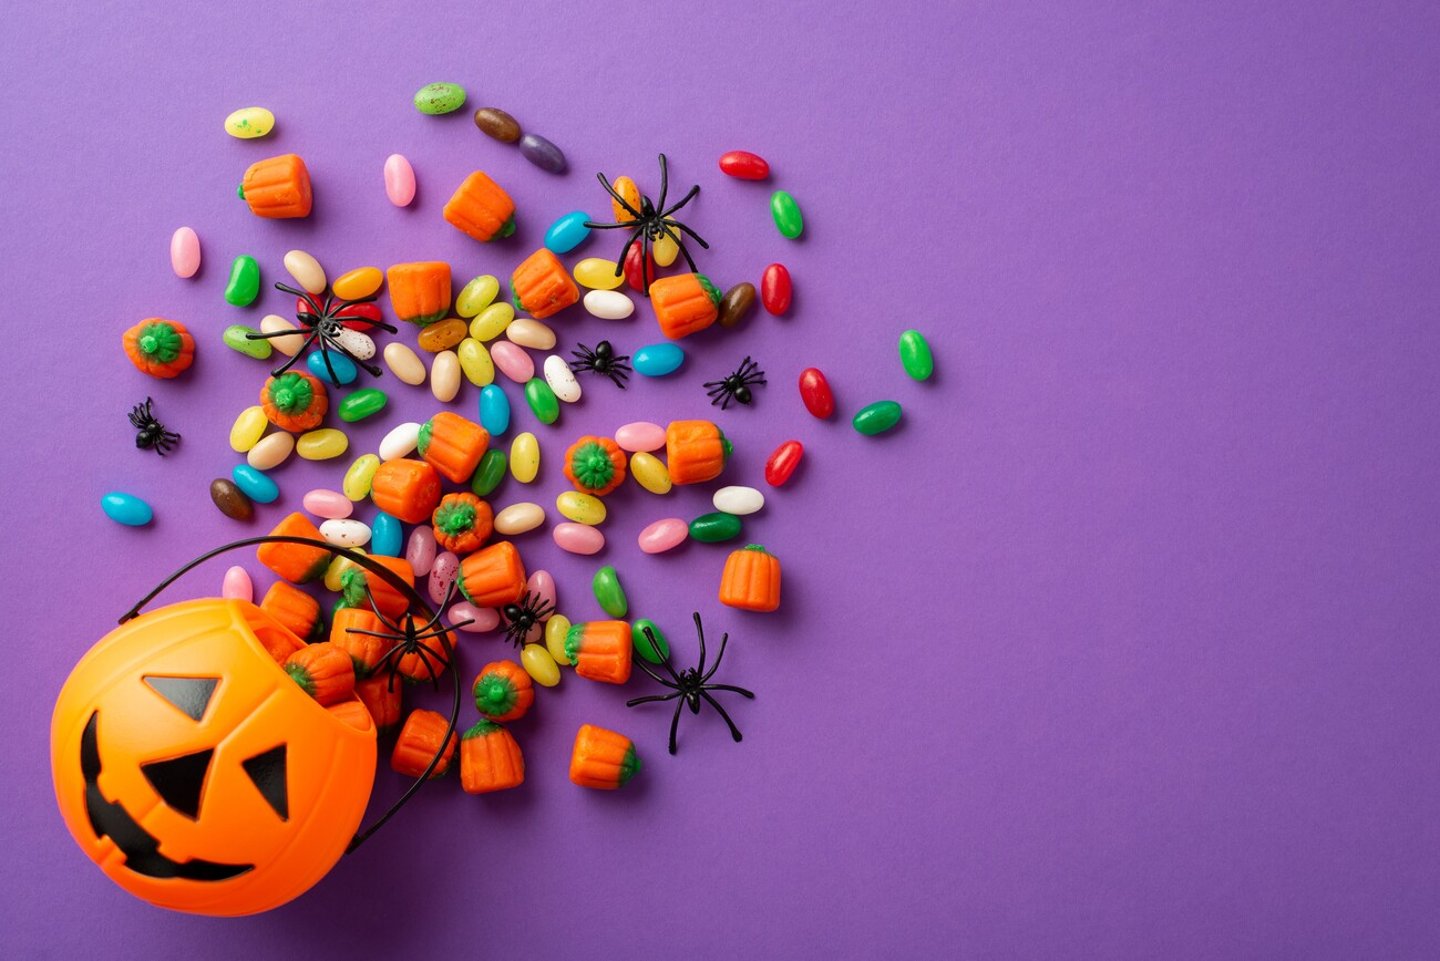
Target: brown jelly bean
443 336
231 500
494 122
737 303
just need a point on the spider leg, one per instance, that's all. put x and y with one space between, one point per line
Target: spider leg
666 212
700 630
646 668
706 675
645 278
732 688
675 723
664 180
294 359
618 199
651 697
325 356
734 731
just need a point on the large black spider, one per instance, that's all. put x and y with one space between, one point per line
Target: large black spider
604 361
323 322
151 434
522 617
691 685
650 223
409 638
736 386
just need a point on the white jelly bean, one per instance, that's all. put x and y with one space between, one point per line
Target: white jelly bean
401 440
420 551
289 346
609 304
519 518
272 451
306 270
640 436
738 500
331 505
360 344
528 332
405 364
185 252
345 533
561 380
445 377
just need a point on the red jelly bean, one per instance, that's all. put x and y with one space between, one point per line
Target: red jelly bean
783 462
744 165
633 274
775 289
359 316
815 392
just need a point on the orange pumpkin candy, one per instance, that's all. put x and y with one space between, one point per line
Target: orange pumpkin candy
159 347
695 451
420 741
751 580
595 465
324 671
294 401
542 286
490 760
503 691
462 523
406 488
453 445
481 208
420 291
383 697
602 759
365 650
359 586
295 609
297 563
278 188
493 576
601 650
684 304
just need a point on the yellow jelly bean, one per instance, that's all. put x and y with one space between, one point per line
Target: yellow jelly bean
540 665
360 282
249 427
650 473
475 362
555 630
248 123
492 321
338 566
322 444
524 457
358 478
476 296
665 250
581 508
597 273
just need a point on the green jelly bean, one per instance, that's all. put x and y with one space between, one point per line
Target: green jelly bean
787 214
877 418
363 403
915 355
542 401
715 527
489 473
642 643
437 98
235 338
609 593
244 285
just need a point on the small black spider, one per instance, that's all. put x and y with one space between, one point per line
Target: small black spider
152 434
322 321
409 637
691 684
737 386
604 361
650 223
521 617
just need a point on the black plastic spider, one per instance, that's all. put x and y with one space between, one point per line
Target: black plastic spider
323 322
650 223
152 434
736 386
690 685
604 361
409 639
521 617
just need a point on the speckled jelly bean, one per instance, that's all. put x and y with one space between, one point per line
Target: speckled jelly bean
255 485
776 289
475 362
435 99
555 630
237 586
542 153
561 379
306 270
640 435
528 332
185 252
471 619
345 533
663 535
386 535
399 440
519 519
653 653
399 180
489 473
597 273
420 549
271 451
609 304
362 403
714 528
231 500
494 410
736 305
244 284
915 355
578 538
331 505
250 123
443 335
492 321
496 123
126 509
360 345
540 665
359 476
289 345
476 295
542 400
442 575
609 593
248 428
650 472
581 508
787 214
658 360
405 364
358 283
237 338
567 232
322 444
815 393
524 457
445 376
339 371
782 464
511 361
738 500
877 418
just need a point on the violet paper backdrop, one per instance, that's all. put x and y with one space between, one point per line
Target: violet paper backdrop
1122 647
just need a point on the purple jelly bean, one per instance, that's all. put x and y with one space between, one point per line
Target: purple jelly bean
442 575
542 153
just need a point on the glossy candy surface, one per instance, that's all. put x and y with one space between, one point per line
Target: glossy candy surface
289 346
340 370
640 435
578 538
665 249
420 549
126 509
524 457
400 440
271 451
237 585
363 403
529 332
345 533
439 98
231 500
815 393
609 593
714 528
609 304
650 472
542 400
555 630
782 464
512 361
476 295
386 535
597 273
255 484
581 508
359 476
475 362
786 212
736 305
399 180
306 270
442 574
775 289
237 338
357 283
561 379
445 376
658 360
915 355
322 444
738 500
248 428
494 410
540 665
480 619
250 123
185 252
244 283
404 363
663 535
357 343
331 505
442 335
496 123
489 473
492 321
542 153
744 165
519 518
877 418
653 653
567 232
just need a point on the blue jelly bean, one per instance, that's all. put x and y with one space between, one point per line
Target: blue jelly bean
568 232
126 509
385 535
494 410
256 485
345 369
657 360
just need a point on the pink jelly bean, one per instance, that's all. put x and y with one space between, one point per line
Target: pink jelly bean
399 180
482 618
237 585
420 551
442 575
663 535
331 505
641 435
578 538
542 585
512 361
185 252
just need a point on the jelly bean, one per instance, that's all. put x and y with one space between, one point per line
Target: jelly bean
363 403
609 592
360 346
244 284
237 586
345 533
473 620
405 364
237 338
744 165
435 99
658 360
248 428
126 509
528 332
542 585
332 367
475 296
783 462
663 535
494 122
561 379
339 564
489 473
609 304
399 180
512 361
524 457
597 273
736 305
714 528
271 451
581 508
331 505
358 283
289 346
231 500
306 270
639 267
555 630
442 575
775 289
787 214
445 376
567 232
519 519
254 484
915 355
443 335
492 321
815 392
542 153
578 538
877 418
654 653
249 123
385 535
542 401
650 472
363 316
322 444
738 500
400 440
420 549
494 410
640 435
540 665
475 362
666 250
358 477
185 252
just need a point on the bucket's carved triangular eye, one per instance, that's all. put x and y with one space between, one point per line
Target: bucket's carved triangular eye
180 780
267 770
190 695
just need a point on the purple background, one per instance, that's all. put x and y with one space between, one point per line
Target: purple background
1123 647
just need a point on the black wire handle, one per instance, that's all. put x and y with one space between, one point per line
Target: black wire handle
385 574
